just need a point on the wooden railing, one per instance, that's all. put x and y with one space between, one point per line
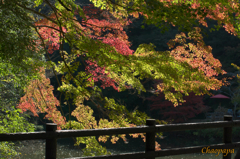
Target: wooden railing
52 134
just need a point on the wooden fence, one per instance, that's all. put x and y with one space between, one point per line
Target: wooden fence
52 134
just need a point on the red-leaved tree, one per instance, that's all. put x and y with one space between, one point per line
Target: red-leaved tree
39 96
193 106
188 68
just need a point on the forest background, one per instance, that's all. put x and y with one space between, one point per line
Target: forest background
225 48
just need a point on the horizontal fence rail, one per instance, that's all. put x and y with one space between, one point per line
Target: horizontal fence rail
52 134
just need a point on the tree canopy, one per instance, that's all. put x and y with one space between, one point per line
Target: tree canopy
99 41
16 68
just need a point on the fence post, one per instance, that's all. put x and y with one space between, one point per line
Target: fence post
227 135
150 138
51 144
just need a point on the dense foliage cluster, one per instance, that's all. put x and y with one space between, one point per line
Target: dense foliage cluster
99 43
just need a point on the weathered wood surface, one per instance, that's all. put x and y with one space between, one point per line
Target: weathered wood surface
51 135
112 131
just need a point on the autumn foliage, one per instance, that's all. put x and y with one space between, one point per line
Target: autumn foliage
35 103
39 97
188 68
193 106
